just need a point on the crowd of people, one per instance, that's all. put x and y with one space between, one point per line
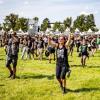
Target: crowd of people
59 47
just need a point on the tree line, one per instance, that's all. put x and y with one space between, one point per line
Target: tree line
82 22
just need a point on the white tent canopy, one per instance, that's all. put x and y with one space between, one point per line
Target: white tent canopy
11 30
20 30
89 31
67 29
2 30
57 30
77 30
47 30
97 33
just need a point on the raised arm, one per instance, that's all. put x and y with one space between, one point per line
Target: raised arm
68 41
51 42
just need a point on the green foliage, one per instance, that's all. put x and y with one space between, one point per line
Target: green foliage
36 18
21 23
67 22
84 22
56 26
14 22
59 26
45 24
10 21
0 27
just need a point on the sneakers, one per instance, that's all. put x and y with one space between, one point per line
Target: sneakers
11 74
14 76
69 72
61 87
64 90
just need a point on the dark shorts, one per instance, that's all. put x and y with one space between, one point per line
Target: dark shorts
89 48
11 59
61 71
93 47
51 50
85 54
32 51
46 44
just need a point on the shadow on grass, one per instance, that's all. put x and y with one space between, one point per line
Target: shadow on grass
88 66
83 90
76 65
2 85
1 59
92 66
37 76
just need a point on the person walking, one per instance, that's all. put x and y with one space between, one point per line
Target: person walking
62 65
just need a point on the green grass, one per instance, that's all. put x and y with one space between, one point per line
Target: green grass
36 80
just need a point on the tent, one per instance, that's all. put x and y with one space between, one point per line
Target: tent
89 31
67 31
47 30
77 31
11 31
20 32
2 31
57 32
97 33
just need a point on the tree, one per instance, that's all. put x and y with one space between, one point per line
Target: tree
84 22
36 18
45 24
10 21
91 22
57 25
21 23
67 22
0 27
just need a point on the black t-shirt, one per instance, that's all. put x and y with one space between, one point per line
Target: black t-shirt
41 44
12 47
62 56
29 43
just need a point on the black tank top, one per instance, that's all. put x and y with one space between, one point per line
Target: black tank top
61 55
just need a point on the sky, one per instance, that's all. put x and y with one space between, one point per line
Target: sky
55 10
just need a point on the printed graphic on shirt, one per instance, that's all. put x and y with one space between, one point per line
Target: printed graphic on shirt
60 53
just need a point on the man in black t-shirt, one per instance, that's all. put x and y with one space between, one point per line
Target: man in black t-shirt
40 48
12 54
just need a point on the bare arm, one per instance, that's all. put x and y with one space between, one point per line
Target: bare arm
51 42
68 42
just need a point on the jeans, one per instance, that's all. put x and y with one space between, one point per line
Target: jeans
26 50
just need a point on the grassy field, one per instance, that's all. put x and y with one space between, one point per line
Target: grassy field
36 80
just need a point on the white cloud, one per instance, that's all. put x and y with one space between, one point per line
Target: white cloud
96 12
87 7
84 13
26 2
1 1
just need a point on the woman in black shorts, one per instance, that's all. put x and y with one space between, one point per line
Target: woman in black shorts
62 66
84 52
